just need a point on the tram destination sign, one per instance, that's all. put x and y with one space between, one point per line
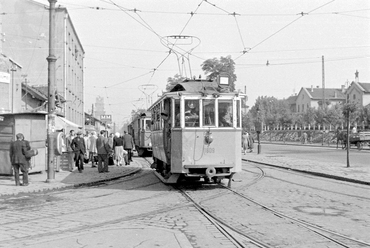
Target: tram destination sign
106 118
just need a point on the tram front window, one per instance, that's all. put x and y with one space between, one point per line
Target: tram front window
209 112
225 113
191 113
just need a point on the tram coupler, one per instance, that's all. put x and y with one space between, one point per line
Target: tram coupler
230 179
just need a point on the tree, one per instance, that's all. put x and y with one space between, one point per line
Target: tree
309 116
172 81
365 115
335 115
284 114
213 67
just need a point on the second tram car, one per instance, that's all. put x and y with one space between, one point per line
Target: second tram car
139 128
196 132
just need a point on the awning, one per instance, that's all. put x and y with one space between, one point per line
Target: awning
61 123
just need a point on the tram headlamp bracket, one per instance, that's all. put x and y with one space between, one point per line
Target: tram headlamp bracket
208 137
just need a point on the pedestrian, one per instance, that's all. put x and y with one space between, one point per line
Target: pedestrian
245 140
128 145
79 148
110 143
103 150
71 154
92 149
250 142
17 152
304 139
110 140
86 137
118 149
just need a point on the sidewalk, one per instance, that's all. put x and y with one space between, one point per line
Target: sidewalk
355 173
65 179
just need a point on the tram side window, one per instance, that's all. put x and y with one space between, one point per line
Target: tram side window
209 112
225 113
237 113
191 113
177 113
147 125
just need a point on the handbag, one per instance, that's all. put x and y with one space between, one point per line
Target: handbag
31 153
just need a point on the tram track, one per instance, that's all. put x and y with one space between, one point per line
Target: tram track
308 176
310 226
334 237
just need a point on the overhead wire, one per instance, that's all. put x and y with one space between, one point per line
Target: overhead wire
128 80
284 27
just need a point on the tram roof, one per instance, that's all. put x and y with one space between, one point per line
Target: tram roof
197 86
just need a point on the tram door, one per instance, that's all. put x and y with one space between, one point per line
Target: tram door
167 129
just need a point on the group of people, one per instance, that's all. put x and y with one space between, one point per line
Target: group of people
247 142
97 149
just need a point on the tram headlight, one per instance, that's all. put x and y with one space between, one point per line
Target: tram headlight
208 137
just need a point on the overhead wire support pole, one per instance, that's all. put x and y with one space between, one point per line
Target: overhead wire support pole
51 93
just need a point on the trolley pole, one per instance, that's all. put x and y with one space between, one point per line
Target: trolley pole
51 93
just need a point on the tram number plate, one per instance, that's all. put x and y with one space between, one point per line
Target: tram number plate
209 150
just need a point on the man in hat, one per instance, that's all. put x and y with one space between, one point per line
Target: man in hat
128 145
19 161
103 150
79 148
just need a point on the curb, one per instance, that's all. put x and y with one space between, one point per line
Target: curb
69 186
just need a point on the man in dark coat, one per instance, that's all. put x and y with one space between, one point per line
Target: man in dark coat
103 149
128 145
19 161
79 148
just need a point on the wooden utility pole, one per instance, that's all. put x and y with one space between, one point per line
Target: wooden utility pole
51 93
323 82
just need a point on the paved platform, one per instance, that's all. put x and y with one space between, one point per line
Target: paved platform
65 179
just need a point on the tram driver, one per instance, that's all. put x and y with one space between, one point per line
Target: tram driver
225 116
191 115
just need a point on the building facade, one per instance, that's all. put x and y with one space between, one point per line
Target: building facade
25 39
314 98
359 93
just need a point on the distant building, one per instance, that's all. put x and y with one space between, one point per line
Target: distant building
314 97
99 107
359 92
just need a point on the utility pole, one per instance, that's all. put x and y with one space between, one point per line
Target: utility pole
13 69
25 82
51 92
323 82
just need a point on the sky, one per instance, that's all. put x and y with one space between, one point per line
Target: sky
279 46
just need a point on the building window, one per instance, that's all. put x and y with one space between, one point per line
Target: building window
354 97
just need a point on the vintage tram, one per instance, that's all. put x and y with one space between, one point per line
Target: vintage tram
139 128
196 132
